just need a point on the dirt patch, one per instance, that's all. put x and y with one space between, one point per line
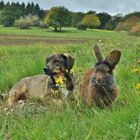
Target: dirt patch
27 40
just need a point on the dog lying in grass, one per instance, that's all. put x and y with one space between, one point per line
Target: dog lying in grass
98 85
48 85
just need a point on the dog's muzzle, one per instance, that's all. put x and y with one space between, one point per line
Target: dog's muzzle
46 70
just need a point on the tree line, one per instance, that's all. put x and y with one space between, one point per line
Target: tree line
26 15
9 12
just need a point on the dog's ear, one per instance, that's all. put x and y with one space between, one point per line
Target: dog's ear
113 57
98 53
69 61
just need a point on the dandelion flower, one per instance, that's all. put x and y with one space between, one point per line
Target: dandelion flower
137 86
138 92
135 70
138 61
60 80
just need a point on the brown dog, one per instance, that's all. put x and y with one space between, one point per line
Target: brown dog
98 85
44 86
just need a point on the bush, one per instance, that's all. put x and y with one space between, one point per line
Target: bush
91 21
35 20
135 30
81 26
110 25
122 26
42 24
27 21
23 23
128 24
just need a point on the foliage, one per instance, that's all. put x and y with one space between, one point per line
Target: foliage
132 21
135 30
23 22
27 21
76 18
9 15
121 26
104 18
35 20
136 14
58 17
81 26
127 24
91 21
91 12
42 24
13 10
112 23
2 4
71 122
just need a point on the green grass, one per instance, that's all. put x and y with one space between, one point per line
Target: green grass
66 32
71 122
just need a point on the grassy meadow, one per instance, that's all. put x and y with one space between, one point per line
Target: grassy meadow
72 122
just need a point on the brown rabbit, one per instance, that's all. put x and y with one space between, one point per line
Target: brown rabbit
98 85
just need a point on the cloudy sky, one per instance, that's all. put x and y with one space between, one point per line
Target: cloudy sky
111 6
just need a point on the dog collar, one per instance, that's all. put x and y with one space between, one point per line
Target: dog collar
55 89
70 71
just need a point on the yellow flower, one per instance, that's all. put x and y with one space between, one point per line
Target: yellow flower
138 61
72 71
60 80
138 92
56 91
137 86
135 70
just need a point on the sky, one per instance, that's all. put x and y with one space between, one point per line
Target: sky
110 6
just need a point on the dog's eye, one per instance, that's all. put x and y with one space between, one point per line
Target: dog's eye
57 64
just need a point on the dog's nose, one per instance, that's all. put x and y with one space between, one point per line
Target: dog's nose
46 69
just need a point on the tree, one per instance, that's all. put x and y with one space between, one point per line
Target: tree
91 21
110 25
7 4
28 9
113 22
9 15
58 17
137 14
23 22
104 18
91 12
41 14
1 5
135 30
77 18
128 24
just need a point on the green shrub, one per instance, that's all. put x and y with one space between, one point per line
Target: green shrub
81 26
122 26
27 21
42 24
35 20
135 30
23 23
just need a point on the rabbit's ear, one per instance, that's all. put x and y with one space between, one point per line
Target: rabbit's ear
98 54
113 57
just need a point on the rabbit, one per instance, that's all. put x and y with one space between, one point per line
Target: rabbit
98 85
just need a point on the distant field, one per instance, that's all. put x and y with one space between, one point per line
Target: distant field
36 122
66 32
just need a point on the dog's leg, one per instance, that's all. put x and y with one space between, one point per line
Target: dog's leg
17 92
